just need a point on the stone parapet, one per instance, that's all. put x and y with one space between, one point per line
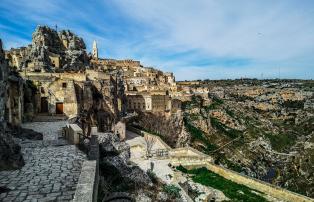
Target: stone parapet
86 190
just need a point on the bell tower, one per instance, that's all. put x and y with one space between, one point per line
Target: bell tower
95 50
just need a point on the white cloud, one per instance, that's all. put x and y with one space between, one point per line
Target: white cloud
254 29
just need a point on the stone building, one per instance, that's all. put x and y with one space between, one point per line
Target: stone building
95 50
146 102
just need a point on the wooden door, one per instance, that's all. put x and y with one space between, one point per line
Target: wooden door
59 108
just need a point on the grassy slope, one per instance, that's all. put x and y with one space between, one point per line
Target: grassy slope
236 192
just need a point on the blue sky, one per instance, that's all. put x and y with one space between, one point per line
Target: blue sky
195 39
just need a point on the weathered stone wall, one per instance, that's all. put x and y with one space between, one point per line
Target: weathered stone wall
169 128
3 84
87 181
10 155
15 101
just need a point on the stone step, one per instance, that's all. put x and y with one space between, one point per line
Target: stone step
49 118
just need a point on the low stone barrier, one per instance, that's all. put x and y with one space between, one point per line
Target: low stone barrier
71 132
85 189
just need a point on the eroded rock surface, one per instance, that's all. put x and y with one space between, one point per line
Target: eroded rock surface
115 155
10 152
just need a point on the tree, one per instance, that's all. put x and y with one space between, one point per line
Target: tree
150 141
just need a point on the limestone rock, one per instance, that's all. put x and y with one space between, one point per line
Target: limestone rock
10 152
53 51
24 133
116 154
184 138
143 198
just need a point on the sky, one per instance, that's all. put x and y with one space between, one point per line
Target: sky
195 39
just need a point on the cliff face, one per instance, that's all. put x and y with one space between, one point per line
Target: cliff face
10 153
170 129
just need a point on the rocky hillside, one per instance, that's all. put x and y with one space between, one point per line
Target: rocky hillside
272 141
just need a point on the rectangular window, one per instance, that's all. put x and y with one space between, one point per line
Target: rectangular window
64 85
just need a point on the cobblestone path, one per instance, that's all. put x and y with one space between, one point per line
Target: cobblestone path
51 171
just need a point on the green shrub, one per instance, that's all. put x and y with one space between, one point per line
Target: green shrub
182 169
231 165
216 102
295 104
281 142
230 132
172 190
230 113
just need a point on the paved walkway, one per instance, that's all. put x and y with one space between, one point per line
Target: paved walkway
51 171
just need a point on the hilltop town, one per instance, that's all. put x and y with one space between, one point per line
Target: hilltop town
75 126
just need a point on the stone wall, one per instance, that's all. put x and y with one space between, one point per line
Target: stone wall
10 152
169 127
3 84
85 189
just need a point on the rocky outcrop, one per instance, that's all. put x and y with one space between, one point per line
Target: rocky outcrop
53 51
204 193
25 133
184 138
10 152
116 173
